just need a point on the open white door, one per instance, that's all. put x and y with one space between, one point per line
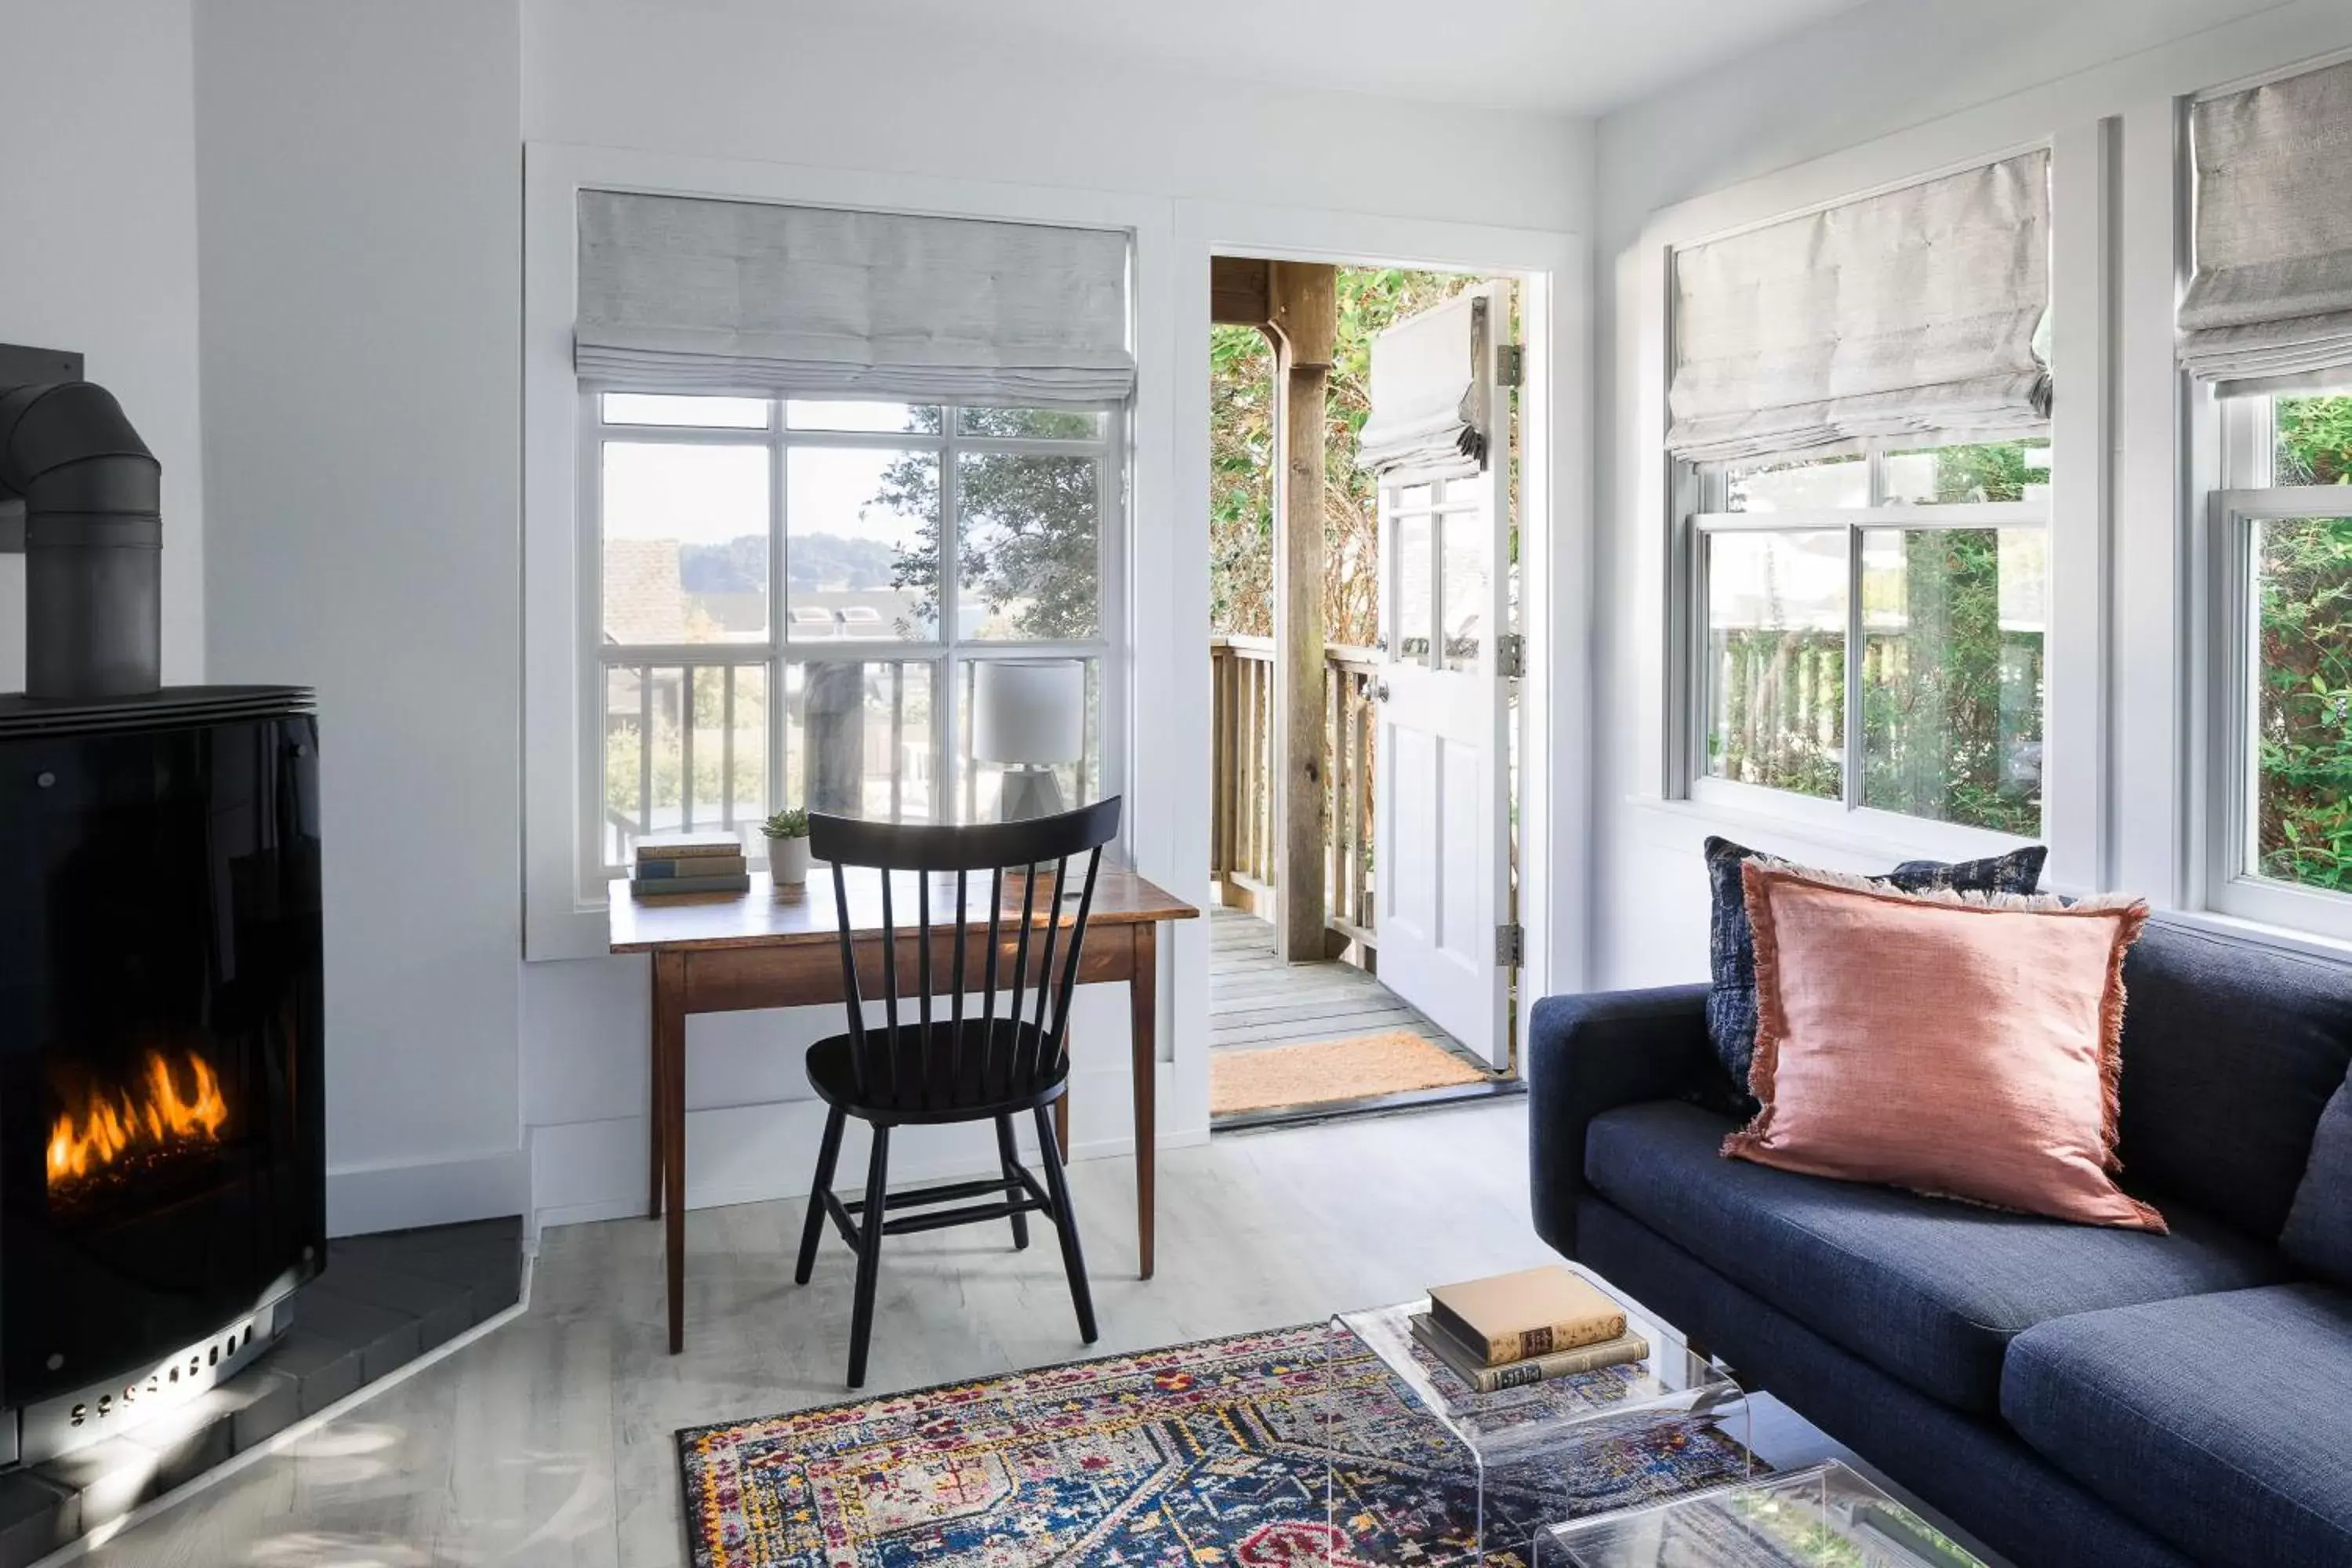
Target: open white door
1442 785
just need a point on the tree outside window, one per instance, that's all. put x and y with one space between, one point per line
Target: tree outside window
2303 828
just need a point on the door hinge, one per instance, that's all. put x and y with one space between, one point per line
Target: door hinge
1510 365
1511 655
1510 945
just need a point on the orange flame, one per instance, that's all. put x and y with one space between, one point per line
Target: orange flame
153 1114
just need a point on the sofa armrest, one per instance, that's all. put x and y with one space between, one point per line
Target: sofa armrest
1594 1053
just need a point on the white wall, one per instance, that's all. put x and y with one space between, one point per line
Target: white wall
1896 88
98 252
768 79
359 168
751 80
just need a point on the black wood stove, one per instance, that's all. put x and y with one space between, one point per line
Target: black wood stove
162 1174
162 1179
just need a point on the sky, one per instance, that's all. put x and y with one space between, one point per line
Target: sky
707 495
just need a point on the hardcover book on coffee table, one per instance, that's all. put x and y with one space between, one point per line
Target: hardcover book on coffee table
1531 1313
1463 1360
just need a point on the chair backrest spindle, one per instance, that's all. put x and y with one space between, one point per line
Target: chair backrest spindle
1052 930
1069 985
923 978
849 984
955 982
1022 1065
890 988
988 994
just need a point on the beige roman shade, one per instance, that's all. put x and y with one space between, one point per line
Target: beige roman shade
686 294
1917 312
1429 407
2271 307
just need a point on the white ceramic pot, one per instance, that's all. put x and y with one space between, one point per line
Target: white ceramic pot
788 861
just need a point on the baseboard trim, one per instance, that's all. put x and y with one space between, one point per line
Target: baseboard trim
609 1153
364 1199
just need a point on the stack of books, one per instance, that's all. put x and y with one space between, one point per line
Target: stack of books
1517 1329
691 863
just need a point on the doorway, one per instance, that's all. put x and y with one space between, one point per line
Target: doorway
1363 690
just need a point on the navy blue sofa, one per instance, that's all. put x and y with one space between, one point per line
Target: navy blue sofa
2073 1395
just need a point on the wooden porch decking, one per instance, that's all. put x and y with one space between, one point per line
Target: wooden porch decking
1255 999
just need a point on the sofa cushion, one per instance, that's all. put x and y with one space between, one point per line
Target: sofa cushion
2220 1422
1731 942
2231 1051
1941 1042
1929 1290
2319 1233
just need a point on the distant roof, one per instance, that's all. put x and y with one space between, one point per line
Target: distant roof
736 615
645 602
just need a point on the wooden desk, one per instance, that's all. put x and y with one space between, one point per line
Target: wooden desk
770 948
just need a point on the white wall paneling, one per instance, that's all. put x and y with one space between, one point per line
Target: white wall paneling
2154 489
2078 708
360 230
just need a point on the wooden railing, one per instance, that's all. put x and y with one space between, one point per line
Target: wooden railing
1347 676
1243 848
1241 835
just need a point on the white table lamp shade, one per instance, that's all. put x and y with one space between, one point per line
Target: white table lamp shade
1028 710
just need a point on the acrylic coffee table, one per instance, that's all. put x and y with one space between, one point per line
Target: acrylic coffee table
1823 1515
1523 1458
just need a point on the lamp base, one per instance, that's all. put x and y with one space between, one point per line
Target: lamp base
1029 792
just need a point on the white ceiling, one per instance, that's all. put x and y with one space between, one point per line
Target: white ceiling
1558 57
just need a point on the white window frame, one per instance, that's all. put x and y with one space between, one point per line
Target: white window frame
2245 499
1706 484
947 651
2078 816
561 920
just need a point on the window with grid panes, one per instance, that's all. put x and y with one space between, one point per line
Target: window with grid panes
1869 629
792 594
2281 806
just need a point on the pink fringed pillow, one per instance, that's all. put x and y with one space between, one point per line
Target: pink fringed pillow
1962 1045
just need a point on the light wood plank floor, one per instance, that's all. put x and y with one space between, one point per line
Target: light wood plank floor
550 1441
1255 999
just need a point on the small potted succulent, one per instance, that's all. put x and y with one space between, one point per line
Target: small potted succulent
788 847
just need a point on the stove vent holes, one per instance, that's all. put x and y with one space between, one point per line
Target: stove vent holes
85 1411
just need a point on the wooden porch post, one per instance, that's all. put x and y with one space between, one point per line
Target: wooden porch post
1303 317
1297 305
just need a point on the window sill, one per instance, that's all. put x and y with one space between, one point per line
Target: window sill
2286 938
575 928
1877 835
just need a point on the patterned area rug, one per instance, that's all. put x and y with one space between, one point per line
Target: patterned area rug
1215 1455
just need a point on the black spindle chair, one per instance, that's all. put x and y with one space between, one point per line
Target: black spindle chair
948 1063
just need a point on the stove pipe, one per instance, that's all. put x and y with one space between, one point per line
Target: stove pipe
93 541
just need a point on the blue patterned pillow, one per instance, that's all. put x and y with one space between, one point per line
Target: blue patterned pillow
2319 1232
1731 943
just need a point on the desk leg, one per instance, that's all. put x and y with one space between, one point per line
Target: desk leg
654 1115
1062 1125
669 1112
1144 1025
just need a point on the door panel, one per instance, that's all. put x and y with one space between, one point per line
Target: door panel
1440 800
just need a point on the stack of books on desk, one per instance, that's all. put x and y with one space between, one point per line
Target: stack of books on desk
691 863
1514 1329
